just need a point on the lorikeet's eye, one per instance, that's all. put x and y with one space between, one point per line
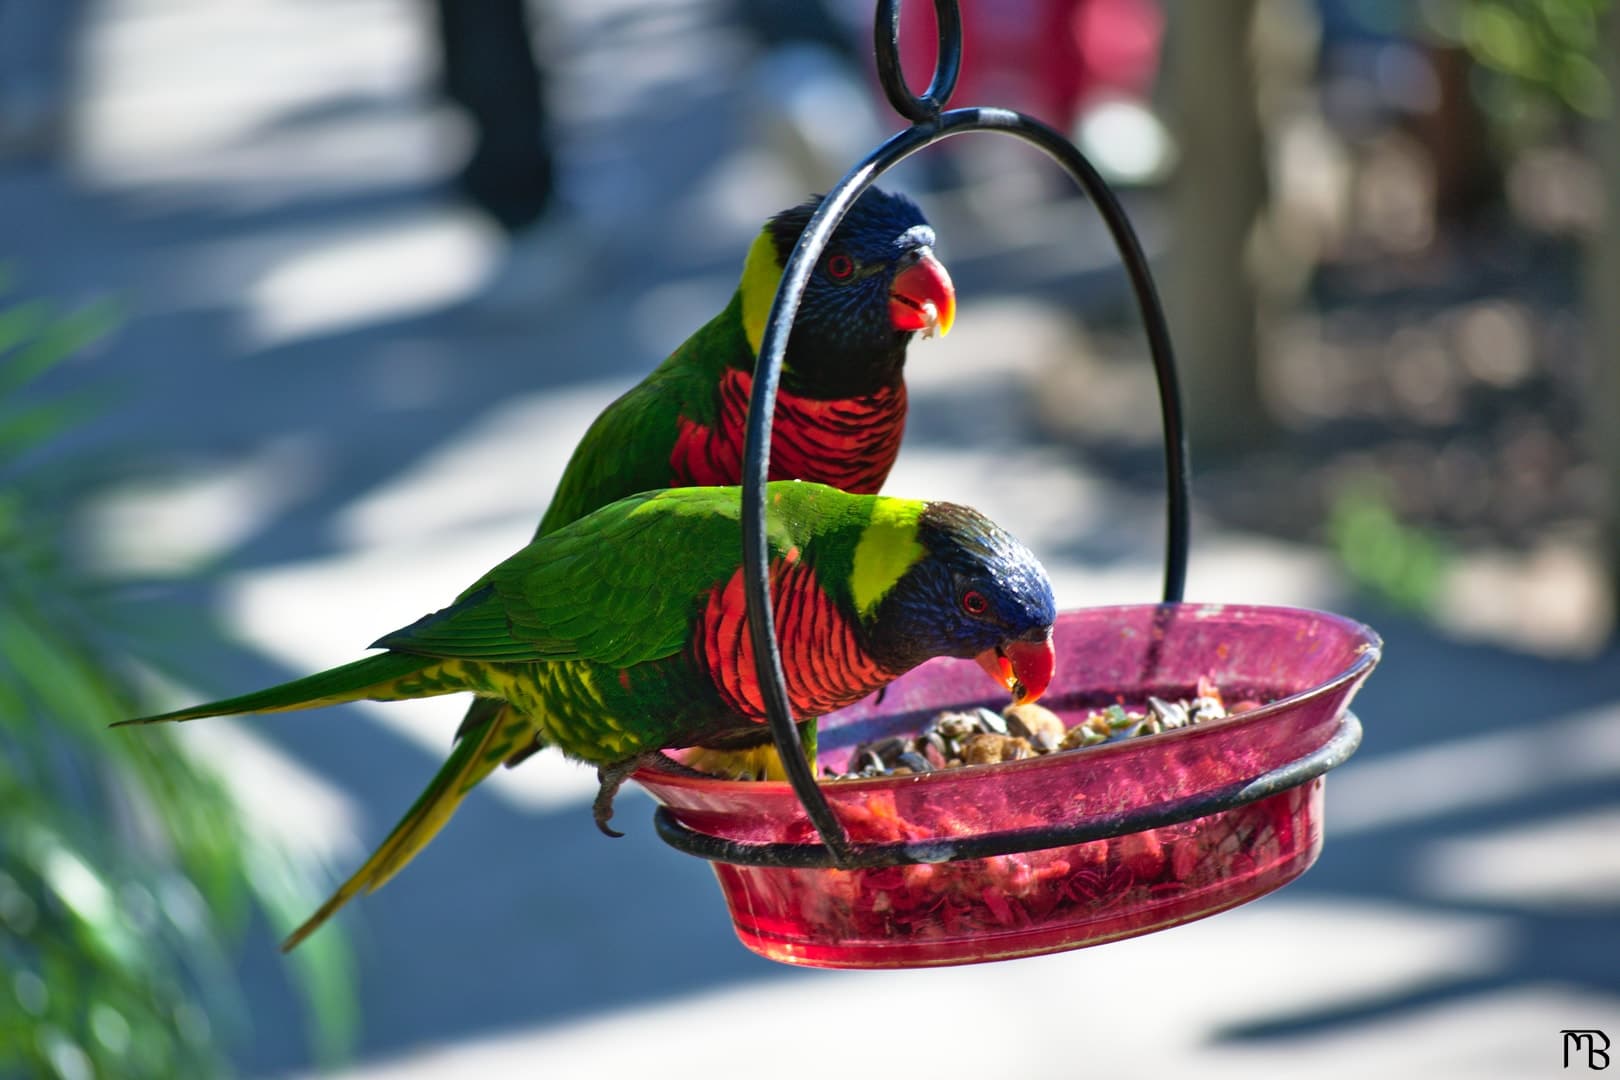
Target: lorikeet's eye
974 603
840 267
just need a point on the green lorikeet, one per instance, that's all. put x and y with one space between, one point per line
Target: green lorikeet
625 633
840 407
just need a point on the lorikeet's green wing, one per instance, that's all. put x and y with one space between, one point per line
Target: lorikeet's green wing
616 589
627 449
550 602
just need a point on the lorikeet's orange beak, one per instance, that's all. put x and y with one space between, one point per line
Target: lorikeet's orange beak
1023 667
922 296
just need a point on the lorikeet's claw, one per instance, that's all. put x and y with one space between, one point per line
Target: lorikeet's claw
612 778
921 297
1023 667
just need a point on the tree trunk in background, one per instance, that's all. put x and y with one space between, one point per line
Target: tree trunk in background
1217 198
1603 308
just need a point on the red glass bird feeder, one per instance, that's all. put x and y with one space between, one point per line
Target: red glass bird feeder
1080 847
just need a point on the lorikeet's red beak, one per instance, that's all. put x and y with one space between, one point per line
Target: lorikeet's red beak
922 296
1023 667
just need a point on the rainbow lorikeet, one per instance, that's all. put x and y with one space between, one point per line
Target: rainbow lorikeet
840 407
625 633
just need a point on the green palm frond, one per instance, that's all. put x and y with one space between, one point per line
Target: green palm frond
126 872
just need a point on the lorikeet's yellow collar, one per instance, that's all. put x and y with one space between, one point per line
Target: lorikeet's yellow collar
888 547
761 275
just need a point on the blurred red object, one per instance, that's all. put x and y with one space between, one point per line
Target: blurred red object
1048 58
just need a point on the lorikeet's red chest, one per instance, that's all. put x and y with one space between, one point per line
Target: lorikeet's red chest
826 667
850 443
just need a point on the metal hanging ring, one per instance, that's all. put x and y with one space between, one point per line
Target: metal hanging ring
929 128
947 60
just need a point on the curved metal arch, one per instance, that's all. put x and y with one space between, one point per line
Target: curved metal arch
930 126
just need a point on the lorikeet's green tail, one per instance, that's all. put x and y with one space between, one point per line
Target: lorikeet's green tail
389 677
375 677
472 760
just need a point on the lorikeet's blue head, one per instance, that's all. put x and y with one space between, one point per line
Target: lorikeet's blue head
878 283
972 591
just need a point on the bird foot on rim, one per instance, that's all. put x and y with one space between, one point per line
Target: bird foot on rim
612 778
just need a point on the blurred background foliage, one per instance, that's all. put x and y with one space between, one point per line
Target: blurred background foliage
1402 564
1545 50
127 873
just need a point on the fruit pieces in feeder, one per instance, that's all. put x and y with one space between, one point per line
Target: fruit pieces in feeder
982 736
